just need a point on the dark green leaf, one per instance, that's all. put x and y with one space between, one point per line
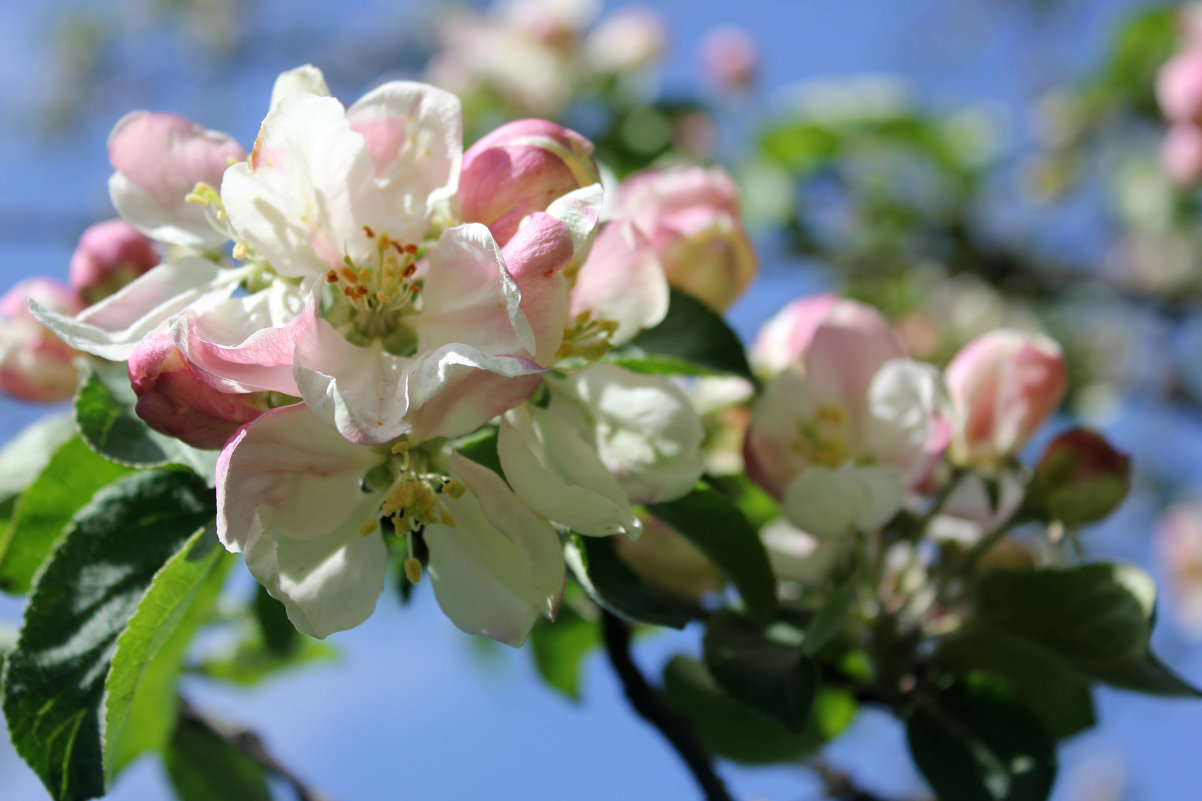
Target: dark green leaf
612 584
481 448
693 333
82 601
71 477
280 637
734 731
719 529
104 412
771 676
1058 696
1096 619
139 693
974 742
753 501
559 649
203 766
838 606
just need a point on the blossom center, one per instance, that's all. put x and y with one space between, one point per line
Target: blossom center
370 302
822 439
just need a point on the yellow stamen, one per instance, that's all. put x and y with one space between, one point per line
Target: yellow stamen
413 570
368 528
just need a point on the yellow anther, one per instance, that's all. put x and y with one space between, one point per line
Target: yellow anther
240 251
349 275
364 275
446 518
368 528
413 570
454 489
401 447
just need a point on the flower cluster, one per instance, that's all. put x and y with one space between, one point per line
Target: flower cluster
342 307
1179 92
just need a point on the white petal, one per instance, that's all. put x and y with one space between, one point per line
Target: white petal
414 133
113 327
556 473
302 79
830 502
905 402
186 226
327 584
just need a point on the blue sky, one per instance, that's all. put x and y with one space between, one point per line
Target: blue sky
415 708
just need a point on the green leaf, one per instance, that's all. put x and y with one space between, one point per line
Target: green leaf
732 730
1058 696
637 360
615 586
771 675
72 475
829 619
753 501
82 601
104 413
252 662
559 648
719 529
692 333
1095 619
140 700
974 742
203 766
280 637
481 448
27 454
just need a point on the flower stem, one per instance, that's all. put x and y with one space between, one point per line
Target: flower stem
648 704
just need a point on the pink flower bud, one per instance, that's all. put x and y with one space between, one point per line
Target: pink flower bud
665 559
786 336
1179 87
36 365
729 57
1181 154
1081 478
692 217
520 168
1004 386
174 400
110 254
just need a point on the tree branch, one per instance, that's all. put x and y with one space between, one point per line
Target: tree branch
646 701
250 744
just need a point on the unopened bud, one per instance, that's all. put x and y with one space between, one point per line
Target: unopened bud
1081 478
109 255
35 365
174 400
520 168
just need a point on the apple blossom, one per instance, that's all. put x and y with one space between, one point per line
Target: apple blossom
109 255
305 506
174 400
786 335
729 57
159 159
843 433
1179 87
35 364
691 215
1179 551
1181 154
627 40
1004 386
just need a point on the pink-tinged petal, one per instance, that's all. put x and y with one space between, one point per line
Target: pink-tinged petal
301 79
536 257
308 194
707 255
786 335
247 344
627 39
290 473
414 135
113 327
455 390
327 584
846 350
521 168
1181 154
470 298
174 400
622 281
159 158
35 365
649 196
556 473
729 57
362 391
530 533
109 255
770 452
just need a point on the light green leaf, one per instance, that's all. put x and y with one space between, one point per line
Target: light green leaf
973 742
829 619
772 676
72 475
27 454
82 601
252 662
140 700
104 413
719 529
203 766
559 648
